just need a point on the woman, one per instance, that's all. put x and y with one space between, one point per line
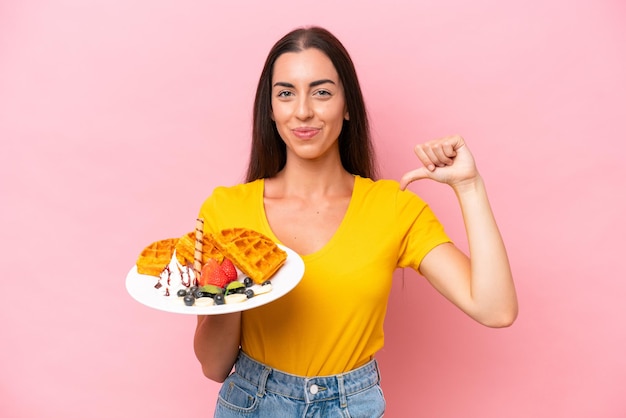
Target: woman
311 187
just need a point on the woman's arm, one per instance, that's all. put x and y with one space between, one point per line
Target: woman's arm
481 285
216 344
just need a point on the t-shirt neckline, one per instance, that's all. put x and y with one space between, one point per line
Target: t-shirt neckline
336 235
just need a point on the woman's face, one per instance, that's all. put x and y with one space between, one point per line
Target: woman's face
308 104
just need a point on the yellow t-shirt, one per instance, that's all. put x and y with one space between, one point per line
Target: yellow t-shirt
333 320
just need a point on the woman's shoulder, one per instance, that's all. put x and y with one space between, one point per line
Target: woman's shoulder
239 205
378 184
381 185
237 192
238 188
387 190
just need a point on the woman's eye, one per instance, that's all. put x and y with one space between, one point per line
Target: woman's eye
323 93
284 93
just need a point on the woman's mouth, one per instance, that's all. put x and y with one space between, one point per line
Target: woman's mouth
305 133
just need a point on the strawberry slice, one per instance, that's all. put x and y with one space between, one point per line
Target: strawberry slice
213 274
229 269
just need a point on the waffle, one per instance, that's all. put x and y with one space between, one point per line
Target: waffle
156 256
253 253
185 249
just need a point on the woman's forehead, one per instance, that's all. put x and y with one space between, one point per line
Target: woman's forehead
309 64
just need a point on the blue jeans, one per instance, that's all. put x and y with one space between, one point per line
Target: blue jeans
257 391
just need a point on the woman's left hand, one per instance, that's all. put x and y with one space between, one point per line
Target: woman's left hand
446 160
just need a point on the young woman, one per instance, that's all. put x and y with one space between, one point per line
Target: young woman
312 186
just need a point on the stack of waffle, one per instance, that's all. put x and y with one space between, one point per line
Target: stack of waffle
185 249
253 253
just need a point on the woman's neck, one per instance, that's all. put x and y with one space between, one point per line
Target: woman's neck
310 180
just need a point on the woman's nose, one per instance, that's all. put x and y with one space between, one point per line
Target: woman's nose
304 110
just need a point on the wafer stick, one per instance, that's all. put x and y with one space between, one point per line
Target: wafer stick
197 256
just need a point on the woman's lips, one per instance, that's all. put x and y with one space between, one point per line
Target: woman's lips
305 133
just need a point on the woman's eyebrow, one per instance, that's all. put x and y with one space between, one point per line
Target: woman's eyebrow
320 82
312 84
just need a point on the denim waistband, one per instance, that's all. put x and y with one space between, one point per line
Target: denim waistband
308 389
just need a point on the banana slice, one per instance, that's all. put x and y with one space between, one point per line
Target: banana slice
235 298
260 289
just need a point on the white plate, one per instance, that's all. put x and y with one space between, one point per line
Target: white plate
141 288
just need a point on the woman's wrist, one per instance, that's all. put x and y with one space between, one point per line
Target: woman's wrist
469 186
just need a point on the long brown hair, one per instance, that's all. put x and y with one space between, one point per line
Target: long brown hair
268 154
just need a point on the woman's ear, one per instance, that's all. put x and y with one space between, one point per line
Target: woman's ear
347 116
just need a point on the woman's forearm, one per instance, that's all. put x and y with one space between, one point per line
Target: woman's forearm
216 344
492 288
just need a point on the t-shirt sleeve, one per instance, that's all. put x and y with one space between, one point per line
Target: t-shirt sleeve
419 230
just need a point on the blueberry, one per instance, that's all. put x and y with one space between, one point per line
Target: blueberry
248 282
181 292
249 293
219 299
189 300
266 282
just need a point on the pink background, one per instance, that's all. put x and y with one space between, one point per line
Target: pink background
117 118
